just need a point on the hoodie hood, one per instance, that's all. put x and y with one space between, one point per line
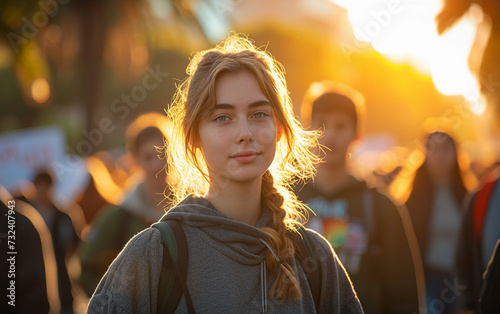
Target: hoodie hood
236 240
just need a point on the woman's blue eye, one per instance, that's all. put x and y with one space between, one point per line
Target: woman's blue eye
221 118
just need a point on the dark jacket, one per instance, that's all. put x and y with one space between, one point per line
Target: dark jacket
386 277
28 265
491 286
468 260
61 222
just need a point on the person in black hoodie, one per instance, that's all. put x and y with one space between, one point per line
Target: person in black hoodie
372 237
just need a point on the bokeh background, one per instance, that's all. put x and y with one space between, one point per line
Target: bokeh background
75 74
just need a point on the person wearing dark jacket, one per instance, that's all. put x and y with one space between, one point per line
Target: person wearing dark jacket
435 205
28 261
62 231
488 301
372 237
478 235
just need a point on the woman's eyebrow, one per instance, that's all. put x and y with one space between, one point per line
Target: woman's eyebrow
257 103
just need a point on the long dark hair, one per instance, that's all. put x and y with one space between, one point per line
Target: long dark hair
419 203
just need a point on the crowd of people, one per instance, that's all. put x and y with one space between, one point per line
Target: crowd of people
232 197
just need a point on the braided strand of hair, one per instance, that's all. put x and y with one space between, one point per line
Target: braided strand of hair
286 285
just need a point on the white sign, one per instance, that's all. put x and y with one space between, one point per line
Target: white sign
24 152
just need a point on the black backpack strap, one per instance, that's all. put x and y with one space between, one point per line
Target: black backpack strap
173 275
308 257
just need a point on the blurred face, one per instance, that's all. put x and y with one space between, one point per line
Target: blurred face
148 160
441 157
238 139
339 133
43 190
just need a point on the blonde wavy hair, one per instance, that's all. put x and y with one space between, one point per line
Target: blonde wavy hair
293 161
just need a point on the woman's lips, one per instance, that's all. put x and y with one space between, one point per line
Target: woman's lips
245 157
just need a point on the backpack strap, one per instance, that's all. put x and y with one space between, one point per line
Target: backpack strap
174 267
308 257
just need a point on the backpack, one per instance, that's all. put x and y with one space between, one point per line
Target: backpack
175 262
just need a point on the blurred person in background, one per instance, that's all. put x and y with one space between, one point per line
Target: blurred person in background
64 236
114 226
372 237
479 234
480 229
435 207
34 277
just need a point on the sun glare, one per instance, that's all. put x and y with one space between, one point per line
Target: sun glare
405 31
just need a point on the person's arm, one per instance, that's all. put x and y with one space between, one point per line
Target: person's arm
337 293
131 283
401 272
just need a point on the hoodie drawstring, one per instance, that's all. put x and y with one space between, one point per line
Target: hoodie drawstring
263 289
263 278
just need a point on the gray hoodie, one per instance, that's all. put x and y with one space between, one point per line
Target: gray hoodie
226 270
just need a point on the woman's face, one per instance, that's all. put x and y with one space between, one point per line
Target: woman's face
238 139
441 158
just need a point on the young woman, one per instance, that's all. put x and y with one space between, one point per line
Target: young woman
435 207
234 150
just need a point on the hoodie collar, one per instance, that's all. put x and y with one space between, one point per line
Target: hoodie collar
236 240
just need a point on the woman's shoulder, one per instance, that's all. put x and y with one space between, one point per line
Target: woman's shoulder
146 245
131 281
318 240
147 241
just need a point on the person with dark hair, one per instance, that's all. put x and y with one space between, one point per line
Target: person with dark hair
114 226
64 236
235 146
372 237
435 206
